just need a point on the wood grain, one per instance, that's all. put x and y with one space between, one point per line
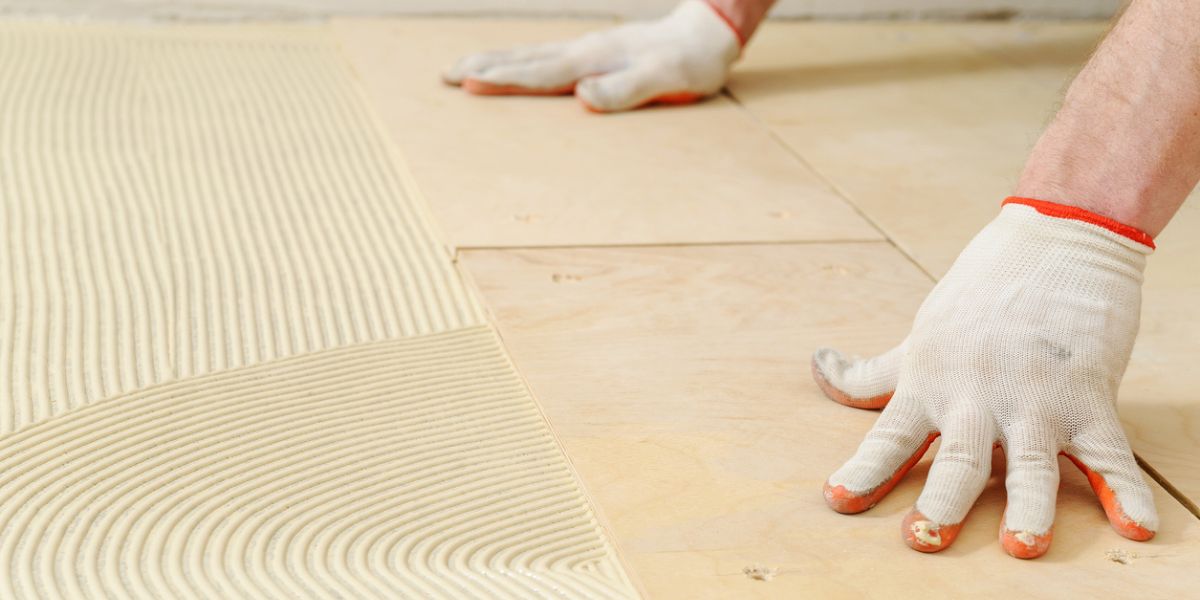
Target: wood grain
518 171
676 379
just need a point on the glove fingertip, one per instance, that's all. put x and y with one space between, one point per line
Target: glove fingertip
676 98
589 104
832 392
480 87
593 98
846 502
597 101
925 535
451 77
1137 529
462 69
1123 524
1118 518
1025 544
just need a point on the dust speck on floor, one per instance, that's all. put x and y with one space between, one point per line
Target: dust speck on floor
1120 556
760 573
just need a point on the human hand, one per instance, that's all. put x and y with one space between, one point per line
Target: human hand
680 58
1022 344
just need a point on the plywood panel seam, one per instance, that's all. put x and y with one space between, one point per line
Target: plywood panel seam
837 190
468 248
588 496
1162 480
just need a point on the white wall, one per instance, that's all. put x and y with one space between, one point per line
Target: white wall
289 9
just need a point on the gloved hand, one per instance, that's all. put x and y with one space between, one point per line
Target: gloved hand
680 58
1022 344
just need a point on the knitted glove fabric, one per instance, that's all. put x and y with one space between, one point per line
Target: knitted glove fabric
680 58
1023 344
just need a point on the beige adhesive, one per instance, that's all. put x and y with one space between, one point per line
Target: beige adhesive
411 468
178 201
235 360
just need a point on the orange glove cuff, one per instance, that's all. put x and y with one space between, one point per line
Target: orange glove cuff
1063 211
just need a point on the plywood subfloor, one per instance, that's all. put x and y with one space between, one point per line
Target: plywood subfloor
504 172
676 376
677 381
925 127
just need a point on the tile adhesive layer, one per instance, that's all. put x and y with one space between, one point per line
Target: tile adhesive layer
235 359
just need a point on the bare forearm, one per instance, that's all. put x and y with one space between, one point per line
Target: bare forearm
1126 143
744 15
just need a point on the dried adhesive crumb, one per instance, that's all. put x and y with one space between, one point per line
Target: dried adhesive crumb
760 573
927 533
1120 556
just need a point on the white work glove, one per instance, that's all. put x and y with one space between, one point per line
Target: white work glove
680 58
1022 344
